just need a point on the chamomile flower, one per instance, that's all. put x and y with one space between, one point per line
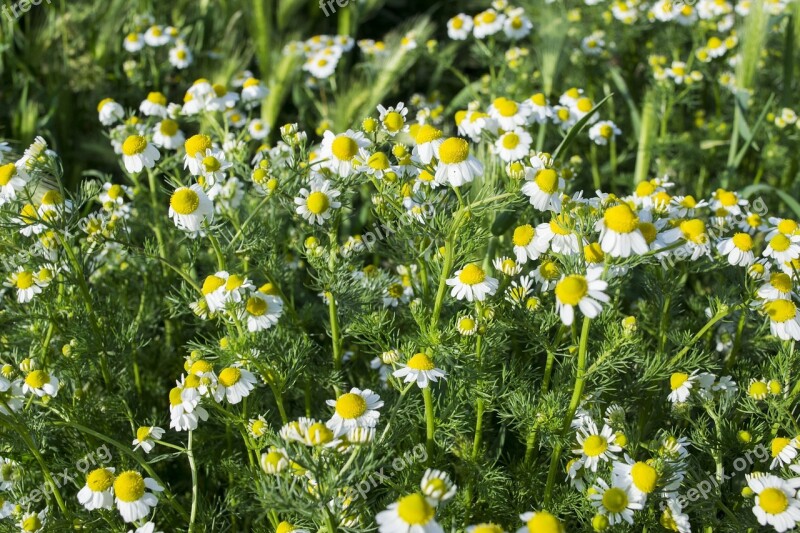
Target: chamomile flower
782 248
509 114
133 42
420 369
180 56
472 283
513 145
357 408
167 134
339 151
437 486
459 27
156 36
517 25
25 283
583 291
138 154
155 105
603 131
184 414
109 112
146 437
507 266
132 497
456 165
526 245
253 91
316 205
467 325
776 501
32 522
196 147
779 287
234 384
258 129
784 452
486 527
274 461
98 492
220 98
641 476
189 208
410 514
262 311
393 118
558 236
617 502
595 446
428 140
40 383
213 167
487 23
784 319
619 232
540 522
738 249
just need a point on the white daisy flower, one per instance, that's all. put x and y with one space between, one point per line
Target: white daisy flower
603 131
338 151
513 145
642 477
40 383
221 99
156 36
517 25
428 140
253 91
779 287
234 384
316 205
26 284
180 56
145 437
459 27
618 503
585 292
98 493
782 248
472 283
262 311
109 112
487 23
526 246
784 319
274 461
167 134
776 501
437 486
738 249
155 105
456 165
258 129
619 232
213 167
557 236
784 452
420 369
133 42
133 500
410 514
32 522
184 414
357 408
596 446
138 153
393 118
540 522
509 114
189 208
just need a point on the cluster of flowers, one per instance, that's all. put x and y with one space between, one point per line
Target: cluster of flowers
501 17
147 33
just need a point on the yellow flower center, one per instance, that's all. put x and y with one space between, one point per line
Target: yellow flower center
743 241
134 144
694 230
510 141
52 198
559 225
453 150
523 235
395 290
24 280
539 99
781 281
584 105
32 523
350 406
649 231
99 480
378 161
319 434
211 163
284 527
219 90
726 198
506 107
256 306
393 121
7 172
780 310
157 98
778 444
773 501
317 202
780 242
37 379
572 289
621 219
466 323
421 361
415 510
606 131
645 189
547 180
677 379
615 500
192 381
344 148
211 284
757 389
487 528
230 376
258 427
184 201
787 226
427 133
644 477
129 486
544 522
594 445
175 396
549 270
143 433
197 144
457 23
472 274
593 253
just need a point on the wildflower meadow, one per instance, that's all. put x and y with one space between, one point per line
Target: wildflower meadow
397 266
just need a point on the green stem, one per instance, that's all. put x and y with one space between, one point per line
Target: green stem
193 467
577 394
279 401
714 319
737 342
217 250
336 336
429 421
446 268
